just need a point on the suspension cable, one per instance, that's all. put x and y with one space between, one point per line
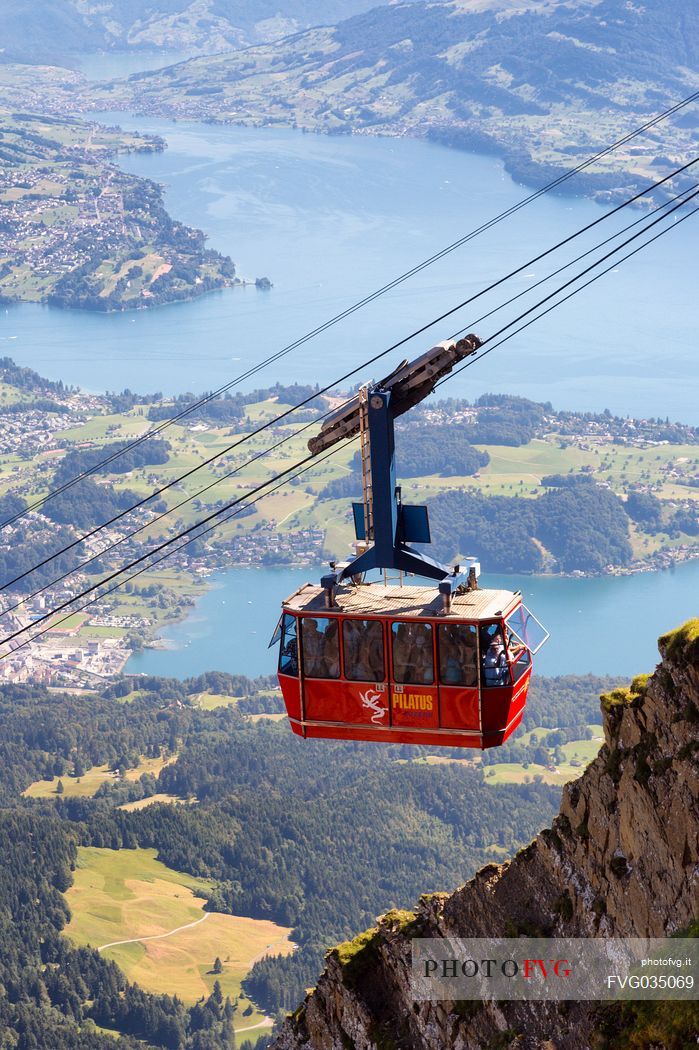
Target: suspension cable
191 531
318 419
147 568
506 213
175 481
578 258
612 266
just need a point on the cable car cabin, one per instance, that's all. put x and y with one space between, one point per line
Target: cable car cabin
387 664
405 665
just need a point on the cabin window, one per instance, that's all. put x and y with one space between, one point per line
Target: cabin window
288 650
320 643
413 659
520 656
495 669
526 628
362 648
458 654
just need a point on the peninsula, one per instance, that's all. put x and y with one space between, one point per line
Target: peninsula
76 231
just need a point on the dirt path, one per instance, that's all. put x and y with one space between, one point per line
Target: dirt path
156 936
266 1022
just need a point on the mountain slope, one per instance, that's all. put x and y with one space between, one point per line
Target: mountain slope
619 861
541 80
58 30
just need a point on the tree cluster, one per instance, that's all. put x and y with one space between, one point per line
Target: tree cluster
584 527
271 810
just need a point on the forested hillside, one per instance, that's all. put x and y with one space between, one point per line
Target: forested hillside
582 527
55 995
270 809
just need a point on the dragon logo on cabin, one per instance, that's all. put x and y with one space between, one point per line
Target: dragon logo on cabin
371 700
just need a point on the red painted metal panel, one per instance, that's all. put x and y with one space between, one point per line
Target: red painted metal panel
392 735
447 715
291 691
495 707
512 727
415 705
355 703
519 695
459 708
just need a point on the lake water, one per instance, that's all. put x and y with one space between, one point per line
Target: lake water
329 220
604 625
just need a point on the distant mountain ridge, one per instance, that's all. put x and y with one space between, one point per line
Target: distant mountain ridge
54 31
541 80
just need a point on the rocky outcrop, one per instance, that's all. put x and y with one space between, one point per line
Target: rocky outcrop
621 859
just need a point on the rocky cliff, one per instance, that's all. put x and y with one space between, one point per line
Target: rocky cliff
621 859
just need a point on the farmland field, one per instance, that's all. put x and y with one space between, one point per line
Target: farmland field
87 785
578 755
169 943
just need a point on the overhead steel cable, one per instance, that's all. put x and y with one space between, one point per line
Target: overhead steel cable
537 284
192 530
159 547
272 448
348 375
289 411
361 303
153 521
147 568
552 306
587 270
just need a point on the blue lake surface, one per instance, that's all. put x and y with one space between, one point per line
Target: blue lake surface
329 219
604 625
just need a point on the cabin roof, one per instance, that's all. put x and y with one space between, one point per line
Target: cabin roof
378 600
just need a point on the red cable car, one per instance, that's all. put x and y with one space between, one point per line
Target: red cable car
402 664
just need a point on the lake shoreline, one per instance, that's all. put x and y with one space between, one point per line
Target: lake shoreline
229 626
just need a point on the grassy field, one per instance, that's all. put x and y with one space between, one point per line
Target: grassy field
578 755
143 803
88 784
128 895
210 701
511 471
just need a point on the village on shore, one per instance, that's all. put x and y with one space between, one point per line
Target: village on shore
41 421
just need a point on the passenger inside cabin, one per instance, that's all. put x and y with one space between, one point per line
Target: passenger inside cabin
331 650
363 649
496 669
514 646
423 668
373 640
520 656
457 654
321 648
289 656
312 645
412 653
401 652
